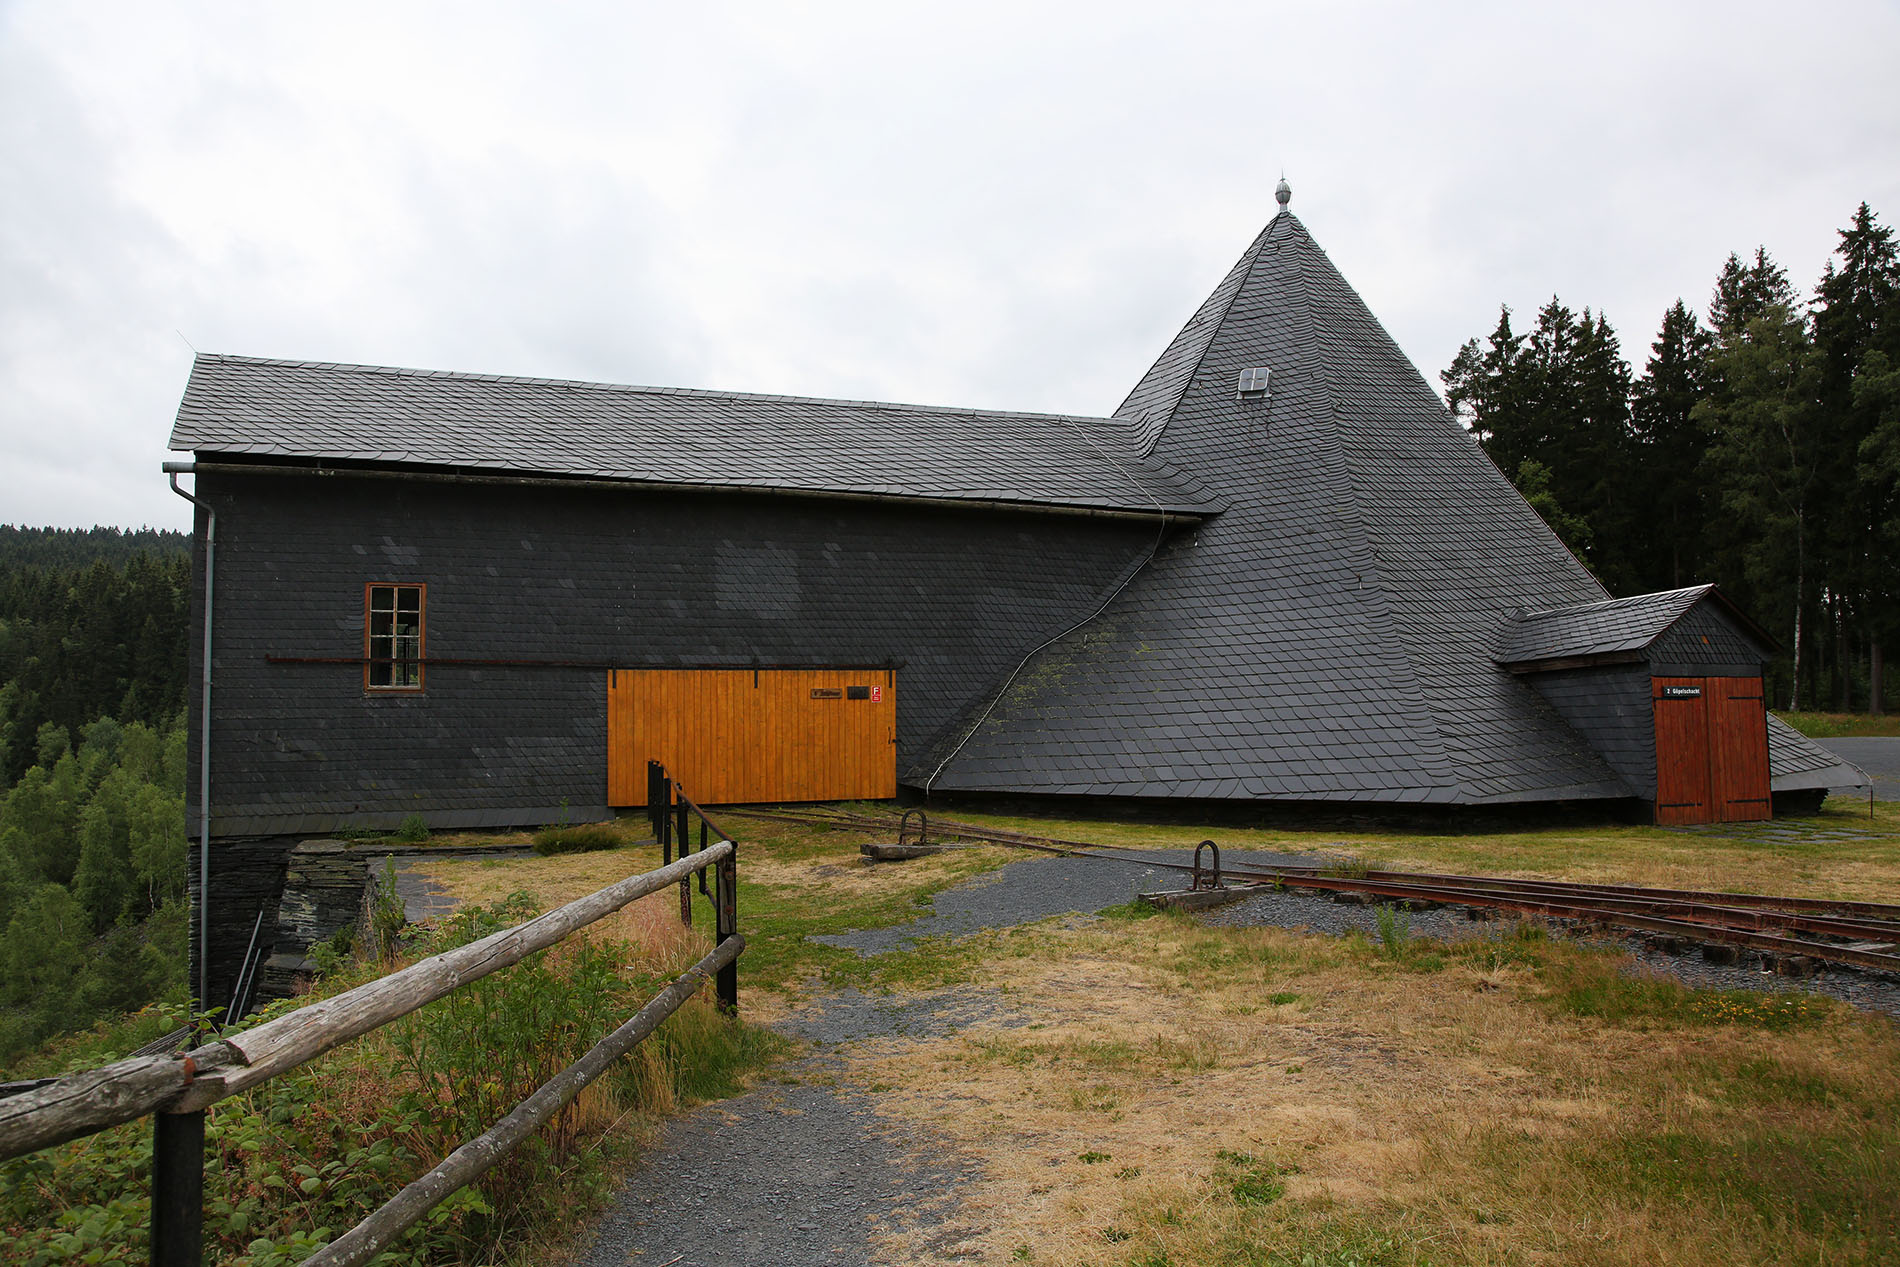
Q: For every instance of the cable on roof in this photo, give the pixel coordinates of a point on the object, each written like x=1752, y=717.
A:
x=1045, y=644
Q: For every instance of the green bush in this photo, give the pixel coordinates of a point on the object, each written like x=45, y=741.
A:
x=296, y=1161
x=577, y=839
x=413, y=830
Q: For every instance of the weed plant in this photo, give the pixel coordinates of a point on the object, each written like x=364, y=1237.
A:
x=388, y=918
x=1395, y=933
x=413, y=830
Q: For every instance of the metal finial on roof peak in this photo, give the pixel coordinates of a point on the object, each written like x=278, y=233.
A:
x=1283, y=193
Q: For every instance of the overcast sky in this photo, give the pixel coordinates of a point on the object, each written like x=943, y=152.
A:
x=1002, y=205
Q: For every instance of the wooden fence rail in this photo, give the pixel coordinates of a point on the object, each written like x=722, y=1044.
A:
x=178, y=1088
x=486, y=1151
x=83, y=1103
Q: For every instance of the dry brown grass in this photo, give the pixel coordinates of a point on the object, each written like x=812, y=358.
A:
x=1154, y=1093
x=1452, y=1115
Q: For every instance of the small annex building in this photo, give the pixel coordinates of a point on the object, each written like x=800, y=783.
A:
x=1279, y=574
x=1667, y=688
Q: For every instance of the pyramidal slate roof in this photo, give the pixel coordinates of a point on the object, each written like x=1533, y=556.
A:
x=258, y=409
x=1329, y=636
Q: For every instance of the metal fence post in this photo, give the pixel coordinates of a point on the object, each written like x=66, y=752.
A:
x=659, y=798
x=684, y=828
x=178, y=1189
x=660, y=807
x=726, y=924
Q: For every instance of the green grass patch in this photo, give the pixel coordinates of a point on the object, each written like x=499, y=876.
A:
x=780, y=921
x=1585, y=981
x=1842, y=725
x=1765, y=1082
x=578, y=838
x=1830, y=1185
x=1251, y=1180
x=1133, y=909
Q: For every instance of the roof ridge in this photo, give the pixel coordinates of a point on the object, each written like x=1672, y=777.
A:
x=1250, y=259
x=1566, y=608
x=1118, y=425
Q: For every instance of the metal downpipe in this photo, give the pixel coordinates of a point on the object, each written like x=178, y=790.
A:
x=174, y=470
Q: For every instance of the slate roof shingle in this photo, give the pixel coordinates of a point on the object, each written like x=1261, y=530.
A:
x=254, y=408
x=1606, y=627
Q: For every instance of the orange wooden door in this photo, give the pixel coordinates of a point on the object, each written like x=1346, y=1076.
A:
x=1738, y=750
x=1682, y=750
x=732, y=736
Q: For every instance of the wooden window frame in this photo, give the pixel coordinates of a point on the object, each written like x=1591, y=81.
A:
x=393, y=662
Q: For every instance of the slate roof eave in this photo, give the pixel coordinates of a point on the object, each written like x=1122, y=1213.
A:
x=394, y=468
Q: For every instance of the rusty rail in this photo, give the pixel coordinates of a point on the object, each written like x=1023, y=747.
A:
x=1745, y=919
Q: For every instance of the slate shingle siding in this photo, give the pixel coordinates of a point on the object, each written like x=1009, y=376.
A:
x=1611, y=708
x=1706, y=643
x=596, y=576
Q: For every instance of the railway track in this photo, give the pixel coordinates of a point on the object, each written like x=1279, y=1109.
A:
x=1791, y=932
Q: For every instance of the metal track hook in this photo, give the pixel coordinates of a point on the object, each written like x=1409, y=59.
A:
x=1204, y=879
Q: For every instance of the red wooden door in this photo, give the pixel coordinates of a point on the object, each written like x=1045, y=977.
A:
x=1711, y=750
x=1682, y=750
x=1738, y=750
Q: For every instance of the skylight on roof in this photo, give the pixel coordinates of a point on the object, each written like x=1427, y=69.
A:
x=1253, y=382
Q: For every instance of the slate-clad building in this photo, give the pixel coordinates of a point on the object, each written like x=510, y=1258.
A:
x=1279, y=573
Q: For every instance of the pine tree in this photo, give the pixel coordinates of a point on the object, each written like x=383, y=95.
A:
x=1761, y=415
x=1478, y=389
x=1670, y=445
x=1857, y=337
x=1745, y=293
x=1555, y=403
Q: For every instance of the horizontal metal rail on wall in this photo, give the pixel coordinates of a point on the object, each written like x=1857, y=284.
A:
x=602, y=666
x=177, y=1089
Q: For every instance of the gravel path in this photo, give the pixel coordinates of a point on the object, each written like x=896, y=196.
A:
x=799, y=1171
x=1039, y=887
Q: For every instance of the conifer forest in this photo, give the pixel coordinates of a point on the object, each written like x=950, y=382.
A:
x=92, y=738
x=1759, y=449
